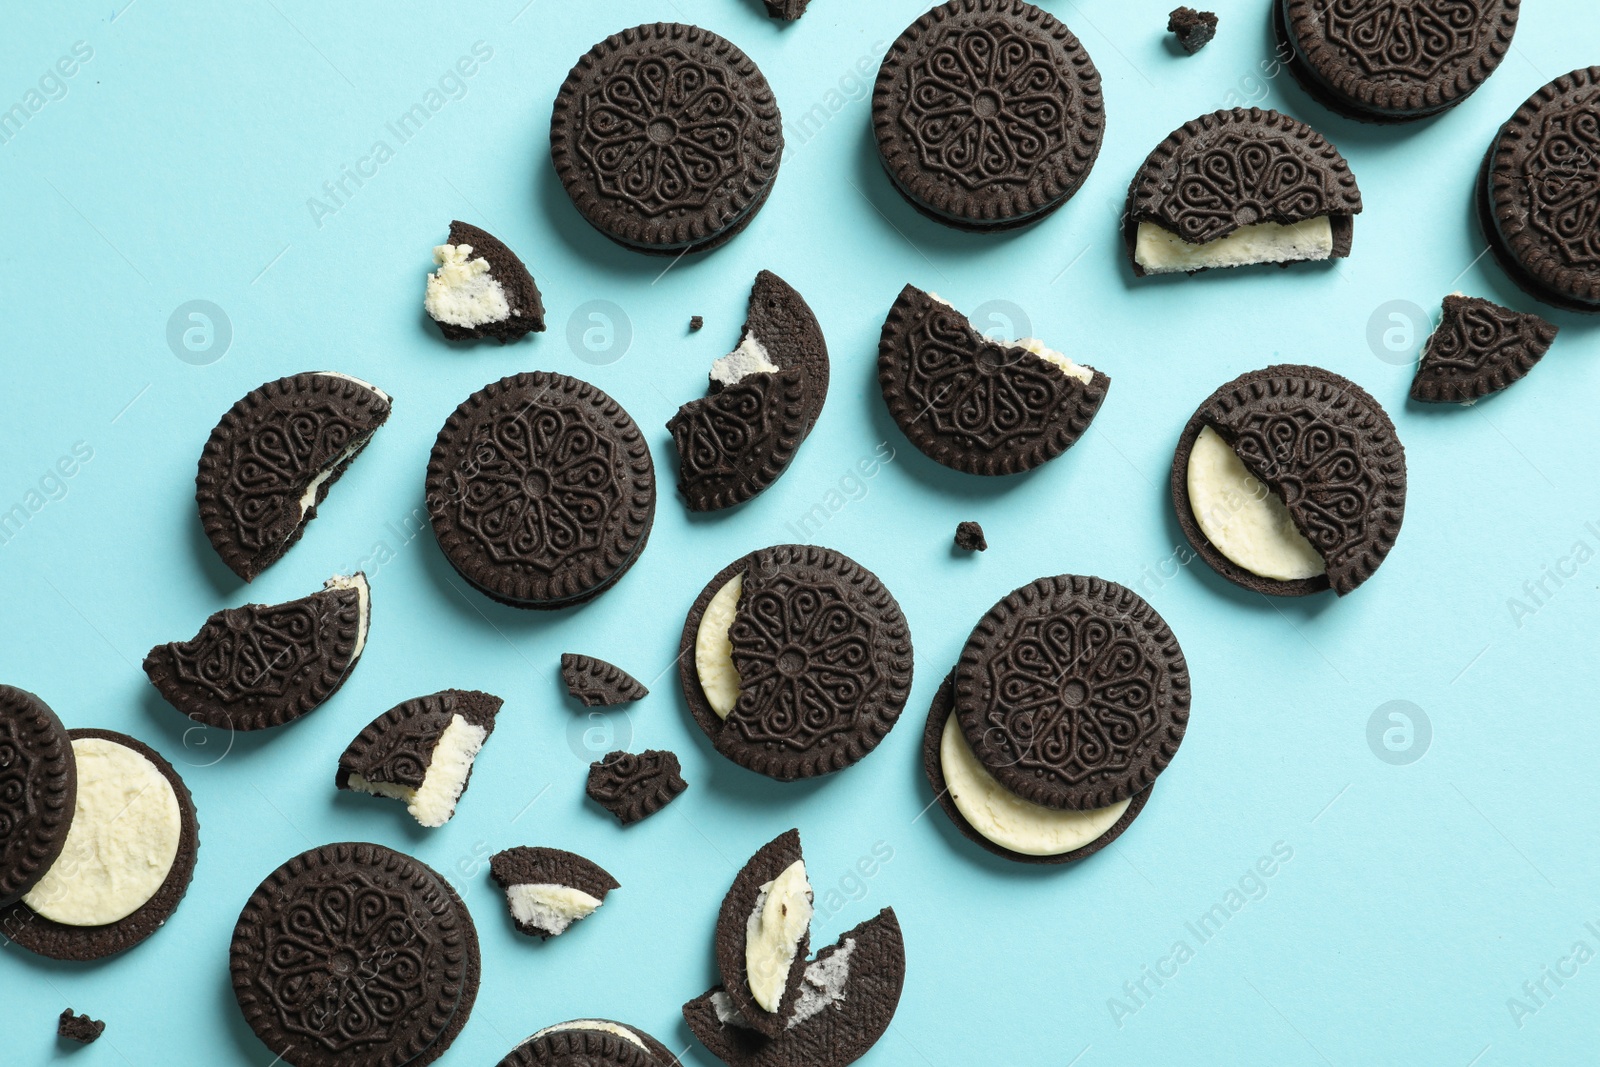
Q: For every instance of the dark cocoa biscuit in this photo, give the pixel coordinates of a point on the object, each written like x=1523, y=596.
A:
x=786, y=10
x=583, y=1044
x=1478, y=349
x=23, y=926
x=1536, y=192
x=398, y=752
x=541, y=490
x=635, y=786
x=264, y=665
x=1237, y=168
x=596, y=683
x=355, y=955
x=972, y=404
x=667, y=138
x=969, y=537
x=537, y=867
x=933, y=768
x=1327, y=449
x=987, y=114
x=79, y=1028
x=38, y=787
x=823, y=656
x=1193, y=29
x=1072, y=692
x=279, y=443
x=851, y=1004
x=747, y=894
x=524, y=311
x=1379, y=61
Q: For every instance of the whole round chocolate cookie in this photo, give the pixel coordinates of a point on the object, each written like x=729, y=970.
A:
x=1539, y=188
x=38, y=788
x=795, y=661
x=1389, y=61
x=667, y=138
x=987, y=114
x=1290, y=480
x=541, y=490
x=1072, y=692
x=354, y=955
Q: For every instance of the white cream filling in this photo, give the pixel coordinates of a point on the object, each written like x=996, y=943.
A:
x=358, y=582
x=727, y=1014
x=772, y=934
x=824, y=984
x=1160, y=251
x=122, y=842
x=593, y=1024
x=462, y=292
x=713, y=649
x=434, y=802
x=308, y=499
x=1243, y=518
x=549, y=907
x=750, y=357
x=1005, y=818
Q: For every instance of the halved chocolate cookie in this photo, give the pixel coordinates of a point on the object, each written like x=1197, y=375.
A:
x=421, y=752
x=38, y=790
x=596, y=683
x=480, y=289
x=269, y=463
x=547, y=889
x=975, y=405
x=264, y=665
x=633, y=786
x=1478, y=349
x=795, y=661
x=1236, y=188
x=764, y=933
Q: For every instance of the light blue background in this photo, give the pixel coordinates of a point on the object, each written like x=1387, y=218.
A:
x=1418, y=899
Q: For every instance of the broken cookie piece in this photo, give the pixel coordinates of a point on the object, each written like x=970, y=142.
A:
x=763, y=934
x=1478, y=349
x=635, y=786
x=547, y=889
x=786, y=10
x=421, y=752
x=969, y=537
x=1193, y=29
x=481, y=289
x=596, y=683
x=79, y=1028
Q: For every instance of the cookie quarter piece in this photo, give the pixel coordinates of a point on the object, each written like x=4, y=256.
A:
x=764, y=933
x=634, y=786
x=1237, y=188
x=264, y=665
x=269, y=463
x=38, y=791
x=667, y=138
x=1478, y=349
x=987, y=114
x=480, y=289
x=547, y=890
x=596, y=683
x=421, y=752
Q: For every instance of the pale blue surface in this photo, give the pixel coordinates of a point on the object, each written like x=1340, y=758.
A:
x=1418, y=898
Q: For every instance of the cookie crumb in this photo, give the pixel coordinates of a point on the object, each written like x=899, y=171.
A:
x=696, y=322
x=79, y=1028
x=969, y=537
x=786, y=10
x=1194, y=29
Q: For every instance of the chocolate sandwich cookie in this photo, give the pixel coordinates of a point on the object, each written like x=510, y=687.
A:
x=422, y=752
x=354, y=955
x=976, y=405
x=1072, y=693
x=795, y=661
x=127, y=861
x=541, y=490
x=584, y=1043
x=596, y=683
x=667, y=138
x=547, y=890
x=1389, y=61
x=634, y=786
x=79, y=1028
x=847, y=1000
x=786, y=10
x=270, y=462
x=764, y=399
x=1289, y=481
x=1536, y=192
x=987, y=114
x=38, y=791
x=264, y=665
x=764, y=933
x=1237, y=188
x=1478, y=349
x=996, y=819
x=480, y=289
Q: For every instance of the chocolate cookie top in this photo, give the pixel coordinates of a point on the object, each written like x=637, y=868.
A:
x=739, y=440
x=524, y=306
x=1383, y=61
x=397, y=747
x=525, y=865
x=970, y=403
x=38, y=787
x=279, y=443
x=667, y=138
x=1478, y=349
x=1072, y=692
x=541, y=490
x=1327, y=449
x=596, y=683
x=354, y=955
x=634, y=786
x=264, y=665
x=987, y=113
x=1540, y=191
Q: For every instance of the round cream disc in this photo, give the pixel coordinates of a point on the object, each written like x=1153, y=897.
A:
x=1244, y=519
x=713, y=651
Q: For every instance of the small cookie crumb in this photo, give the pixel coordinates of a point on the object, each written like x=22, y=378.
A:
x=969, y=537
x=1194, y=29
x=786, y=10
x=79, y=1028
x=696, y=322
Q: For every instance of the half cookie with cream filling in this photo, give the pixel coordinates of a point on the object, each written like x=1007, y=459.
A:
x=1238, y=188
x=978, y=405
x=480, y=289
x=590, y=1043
x=764, y=933
x=1290, y=480
x=547, y=890
x=421, y=752
x=270, y=462
x=264, y=665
